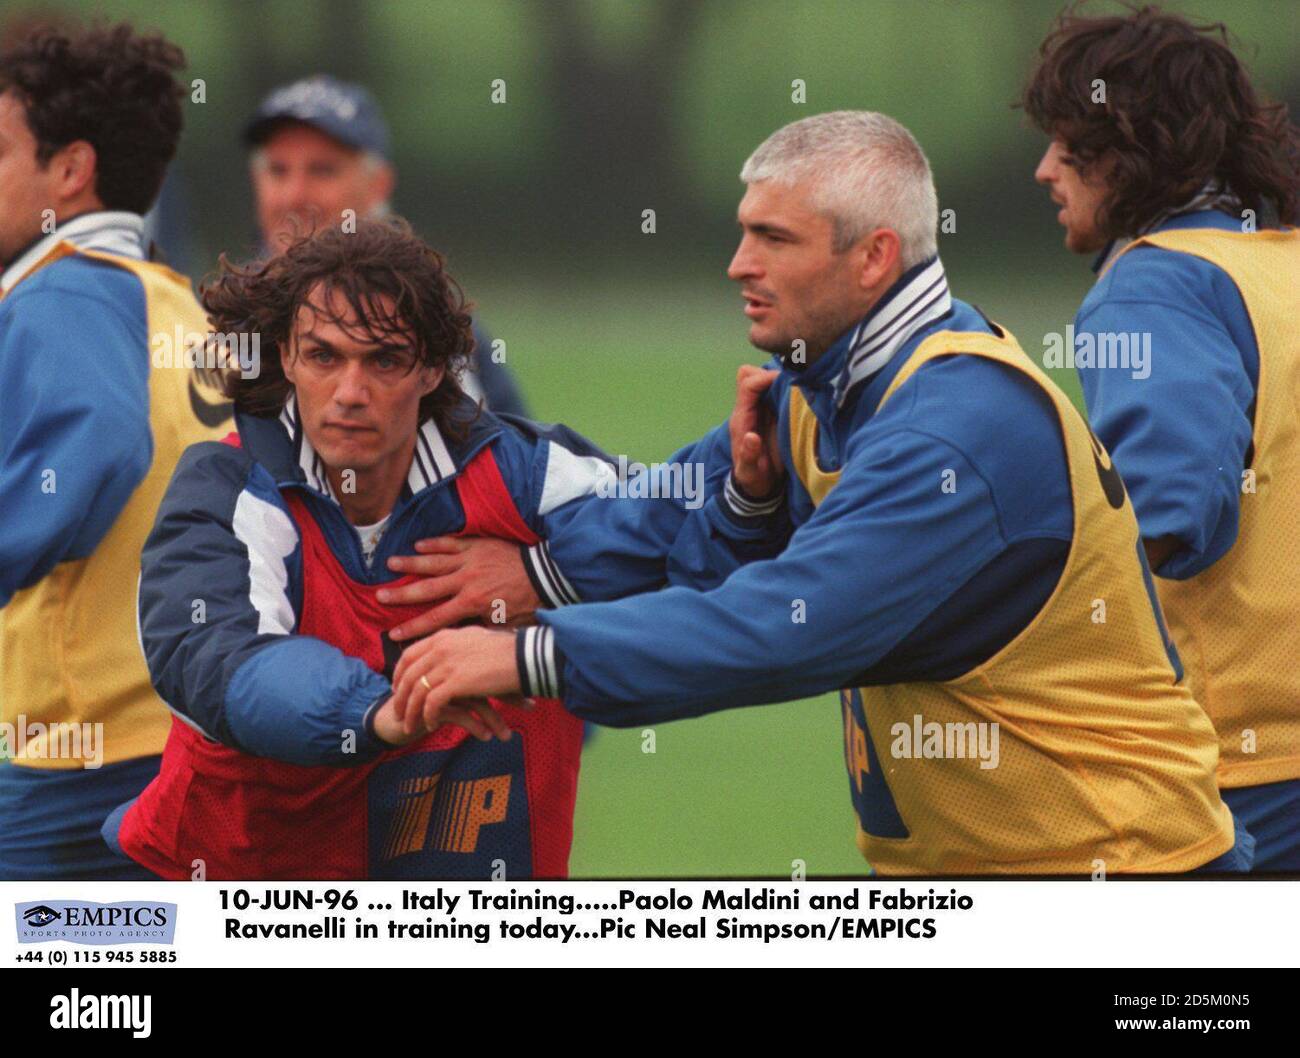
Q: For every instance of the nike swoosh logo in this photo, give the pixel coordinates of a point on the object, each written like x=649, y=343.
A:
x=1111, y=483
x=207, y=413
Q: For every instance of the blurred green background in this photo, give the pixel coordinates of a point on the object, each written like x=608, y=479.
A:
x=612, y=108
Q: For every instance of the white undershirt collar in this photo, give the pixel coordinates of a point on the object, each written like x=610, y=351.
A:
x=105, y=230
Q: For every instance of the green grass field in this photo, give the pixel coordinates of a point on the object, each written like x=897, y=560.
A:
x=642, y=370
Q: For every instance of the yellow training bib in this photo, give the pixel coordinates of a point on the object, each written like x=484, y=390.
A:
x=1237, y=624
x=1101, y=758
x=70, y=646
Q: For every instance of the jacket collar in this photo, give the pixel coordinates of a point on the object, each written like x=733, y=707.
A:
x=108, y=231
x=281, y=445
x=1210, y=198
x=918, y=297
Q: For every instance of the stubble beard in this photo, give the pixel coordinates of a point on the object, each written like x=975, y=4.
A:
x=818, y=334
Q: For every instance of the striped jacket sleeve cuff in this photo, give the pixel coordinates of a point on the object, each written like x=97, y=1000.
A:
x=540, y=662
x=550, y=584
x=373, y=741
x=742, y=506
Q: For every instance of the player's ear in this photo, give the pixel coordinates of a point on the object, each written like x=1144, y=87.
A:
x=75, y=165
x=430, y=379
x=880, y=253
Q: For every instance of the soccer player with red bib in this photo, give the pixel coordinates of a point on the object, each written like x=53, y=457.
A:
x=260, y=614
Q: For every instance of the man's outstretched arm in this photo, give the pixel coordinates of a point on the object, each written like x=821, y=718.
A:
x=606, y=541
x=884, y=550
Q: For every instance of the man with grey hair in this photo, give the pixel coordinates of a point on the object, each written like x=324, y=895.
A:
x=877, y=170
x=955, y=526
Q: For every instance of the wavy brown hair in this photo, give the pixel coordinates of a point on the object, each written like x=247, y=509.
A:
x=1179, y=113
x=381, y=258
x=108, y=85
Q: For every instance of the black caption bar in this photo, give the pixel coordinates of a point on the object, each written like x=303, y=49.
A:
x=135, y=1005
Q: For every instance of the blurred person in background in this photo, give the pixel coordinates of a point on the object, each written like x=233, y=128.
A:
x=320, y=147
x=96, y=405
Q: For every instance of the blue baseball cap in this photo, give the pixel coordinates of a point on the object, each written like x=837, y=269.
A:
x=347, y=112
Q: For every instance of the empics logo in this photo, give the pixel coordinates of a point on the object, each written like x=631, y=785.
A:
x=40, y=915
x=75, y=1011
x=85, y=922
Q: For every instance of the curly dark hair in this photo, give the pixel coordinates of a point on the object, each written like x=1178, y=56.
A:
x=381, y=258
x=109, y=86
x=1179, y=113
